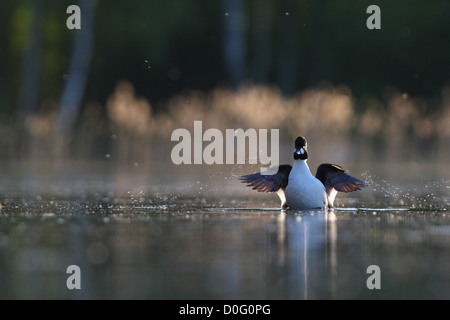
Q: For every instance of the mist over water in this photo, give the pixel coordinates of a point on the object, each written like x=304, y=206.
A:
x=109, y=199
x=139, y=233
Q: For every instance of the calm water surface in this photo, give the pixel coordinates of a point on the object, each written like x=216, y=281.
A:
x=147, y=244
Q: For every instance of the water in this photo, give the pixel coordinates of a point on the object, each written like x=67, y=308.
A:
x=152, y=243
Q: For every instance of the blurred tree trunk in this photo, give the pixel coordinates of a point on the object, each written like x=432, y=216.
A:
x=31, y=69
x=287, y=71
x=261, y=55
x=29, y=91
x=73, y=92
x=234, y=42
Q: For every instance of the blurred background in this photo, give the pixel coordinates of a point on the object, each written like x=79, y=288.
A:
x=116, y=89
x=86, y=176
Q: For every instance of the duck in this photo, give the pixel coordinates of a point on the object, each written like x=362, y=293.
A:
x=297, y=188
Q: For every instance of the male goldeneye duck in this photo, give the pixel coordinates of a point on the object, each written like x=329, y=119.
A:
x=298, y=189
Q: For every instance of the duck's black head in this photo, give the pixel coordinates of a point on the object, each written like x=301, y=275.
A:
x=300, y=151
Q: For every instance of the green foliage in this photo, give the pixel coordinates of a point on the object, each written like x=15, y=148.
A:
x=309, y=43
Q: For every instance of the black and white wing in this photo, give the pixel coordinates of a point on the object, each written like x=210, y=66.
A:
x=269, y=182
x=335, y=179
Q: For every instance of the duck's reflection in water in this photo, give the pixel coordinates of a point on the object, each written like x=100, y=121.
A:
x=308, y=249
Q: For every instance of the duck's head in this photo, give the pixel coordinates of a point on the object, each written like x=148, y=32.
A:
x=300, y=151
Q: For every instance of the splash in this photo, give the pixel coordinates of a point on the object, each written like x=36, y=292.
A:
x=428, y=195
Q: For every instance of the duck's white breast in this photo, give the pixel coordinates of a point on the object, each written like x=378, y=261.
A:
x=304, y=191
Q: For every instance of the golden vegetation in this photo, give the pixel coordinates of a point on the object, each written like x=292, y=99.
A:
x=400, y=129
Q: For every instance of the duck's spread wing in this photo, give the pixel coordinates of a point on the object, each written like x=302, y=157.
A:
x=268, y=182
x=334, y=177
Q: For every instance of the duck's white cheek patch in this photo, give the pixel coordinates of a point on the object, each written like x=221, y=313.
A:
x=302, y=151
